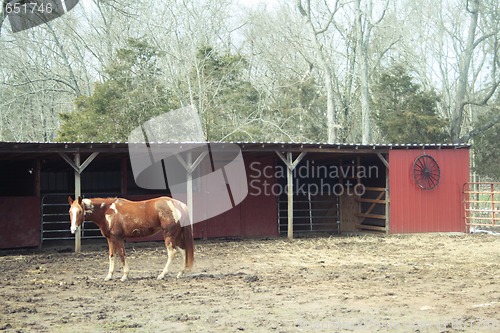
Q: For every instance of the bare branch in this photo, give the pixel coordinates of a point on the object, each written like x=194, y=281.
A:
x=301, y=9
x=485, y=99
x=486, y=126
x=483, y=38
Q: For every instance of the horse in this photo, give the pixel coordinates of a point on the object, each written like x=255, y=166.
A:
x=118, y=218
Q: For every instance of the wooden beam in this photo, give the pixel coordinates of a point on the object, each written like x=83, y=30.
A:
x=375, y=189
x=70, y=161
x=87, y=162
x=290, y=163
x=188, y=164
x=377, y=201
x=371, y=216
x=79, y=167
x=382, y=158
x=369, y=210
x=370, y=227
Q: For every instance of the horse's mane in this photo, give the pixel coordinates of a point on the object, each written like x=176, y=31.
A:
x=102, y=200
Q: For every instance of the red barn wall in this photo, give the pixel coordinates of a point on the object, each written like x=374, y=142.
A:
x=256, y=215
x=19, y=222
x=413, y=209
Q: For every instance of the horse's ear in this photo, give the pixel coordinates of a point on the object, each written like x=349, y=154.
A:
x=70, y=200
x=80, y=200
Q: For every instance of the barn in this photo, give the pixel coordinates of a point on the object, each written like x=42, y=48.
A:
x=293, y=189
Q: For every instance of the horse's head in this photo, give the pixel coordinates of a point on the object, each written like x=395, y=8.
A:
x=76, y=213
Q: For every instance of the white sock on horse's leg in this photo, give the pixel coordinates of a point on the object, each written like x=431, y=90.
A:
x=183, y=254
x=170, y=253
x=125, y=270
x=111, y=268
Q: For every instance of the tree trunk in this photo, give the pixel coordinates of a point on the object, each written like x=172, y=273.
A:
x=362, y=55
x=330, y=108
x=327, y=71
x=464, y=65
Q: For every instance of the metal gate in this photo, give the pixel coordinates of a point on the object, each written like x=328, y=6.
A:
x=481, y=204
x=55, y=218
x=311, y=214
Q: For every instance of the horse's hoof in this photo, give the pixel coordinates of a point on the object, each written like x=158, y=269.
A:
x=124, y=278
x=160, y=277
x=179, y=274
x=107, y=278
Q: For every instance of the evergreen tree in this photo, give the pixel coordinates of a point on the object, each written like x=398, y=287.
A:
x=133, y=93
x=298, y=108
x=225, y=99
x=404, y=112
x=487, y=150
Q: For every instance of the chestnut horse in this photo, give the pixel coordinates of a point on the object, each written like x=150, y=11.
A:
x=118, y=218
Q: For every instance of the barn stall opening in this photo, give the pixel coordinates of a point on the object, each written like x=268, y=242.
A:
x=293, y=189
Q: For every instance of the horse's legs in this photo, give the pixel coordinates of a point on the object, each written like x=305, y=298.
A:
x=170, y=253
x=120, y=246
x=111, y=261
x=183, y=254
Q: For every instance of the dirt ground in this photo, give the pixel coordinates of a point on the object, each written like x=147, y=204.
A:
x=413, y=283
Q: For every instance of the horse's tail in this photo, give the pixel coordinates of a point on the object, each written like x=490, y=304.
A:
x=187, y=234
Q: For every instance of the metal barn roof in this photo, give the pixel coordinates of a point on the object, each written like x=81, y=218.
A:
x=117, y=147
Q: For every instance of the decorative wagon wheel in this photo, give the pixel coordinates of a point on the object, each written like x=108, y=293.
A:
x=426, y=172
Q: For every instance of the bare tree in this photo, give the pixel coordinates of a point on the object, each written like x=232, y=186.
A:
x=455, y=47
x=314, y=32
x=364, y=27
x=40, y=80
x=465, y=94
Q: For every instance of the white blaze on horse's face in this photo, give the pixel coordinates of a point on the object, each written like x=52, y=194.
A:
x=75, y=215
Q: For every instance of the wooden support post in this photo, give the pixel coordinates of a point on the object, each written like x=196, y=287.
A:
x=78, y=192
x=289, y=178
x=387, y=194
x=37, y=172
x=190, y=166
x=291, y=164
x=358, y=165
x=124, y=177
x=78, y=167
x=189, y=184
